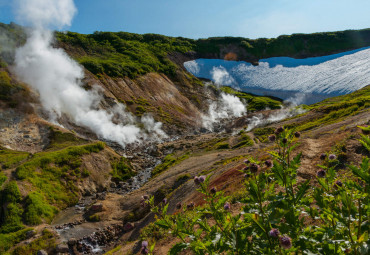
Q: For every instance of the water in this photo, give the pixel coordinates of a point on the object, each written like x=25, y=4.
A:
x=314, y=79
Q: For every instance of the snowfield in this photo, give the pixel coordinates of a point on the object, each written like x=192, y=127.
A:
x=314, y=79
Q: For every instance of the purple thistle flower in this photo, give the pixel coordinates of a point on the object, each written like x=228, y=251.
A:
x=247, y=176
x=269, y=163
x=279, y=130
x=246, y=168
x=297, y=134
x=196, y=180
x=247, y=161
x=321, y=173
x=202, y=178
x=338, y=183
x=145, y=197
x=144, y=244
x=332, y=157
x=254, y=168
x=274, y=233
x=164, y=201
x=178, y=206
x=286, y=242
x=284, y=140
x=213, y=190
x=272, y=138
x=227, y=206
x=323, y=156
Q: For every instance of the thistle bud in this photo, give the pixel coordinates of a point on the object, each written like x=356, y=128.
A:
x=213, y=190
x=297, y=134
x=272, y=138
x=321, y=173
x=323, y=156
x=269, y=163
x=254, y=168
x=332, y=157
x=227, y=206
x=286, y=242
x=274, y=233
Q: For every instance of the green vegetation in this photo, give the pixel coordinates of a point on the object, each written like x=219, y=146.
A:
x=244, y=141
x=7, y=86
x=60, y=140
x=10, y=158
x=122, y=170
x=255, y=103
x=45, y=242
x=124, y=54
x=336, y=109
x=263, y=133
x=37, y=209
x=113, y=250
x=278, y=214
x=2, y=179
x=94, y=218
x=169, y=161
x=7, y=241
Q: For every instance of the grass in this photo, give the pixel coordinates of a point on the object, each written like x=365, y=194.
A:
x=169, y=161
x=45, y=242
x=7, y=241
x=113, y=250
x=122, y=170
x=10, y=158
x=37, y=209
x=244, y=141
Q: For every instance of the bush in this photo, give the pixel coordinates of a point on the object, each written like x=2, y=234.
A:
x=11, y=193
x=122, y=170
x=37, y=209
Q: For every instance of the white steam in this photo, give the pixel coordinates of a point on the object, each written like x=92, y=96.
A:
x=57, y=78
x=221, y=76
x=228, y=106
x=286, y=112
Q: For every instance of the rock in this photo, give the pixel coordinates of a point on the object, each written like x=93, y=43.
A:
x=30, y=234
x=42, y=252
x=72, y=242
x=98, y=207
x=128, y=227
x=62, y=248
x=113, y=185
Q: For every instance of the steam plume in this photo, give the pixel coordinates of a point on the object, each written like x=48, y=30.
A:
x=57, y=78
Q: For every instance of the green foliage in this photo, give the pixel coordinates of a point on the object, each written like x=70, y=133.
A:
x=12, y=219
x=262, y=133
x=52, y=173
x=7, y=86
x=9, y=158
x=122, y=170
x=169, y=161
x=113, y=250
x=94, y=218
x=276, y=209
x=11, y=193
x=60, y=140
x=2, y=178
x=7, y=241
x=244, y=141
x=45, y=242
x=37, y=209
x=222, y=146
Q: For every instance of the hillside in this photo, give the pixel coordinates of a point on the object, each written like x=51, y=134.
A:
x=63, y=190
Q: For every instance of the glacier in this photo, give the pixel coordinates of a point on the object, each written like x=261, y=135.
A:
x=313, y=79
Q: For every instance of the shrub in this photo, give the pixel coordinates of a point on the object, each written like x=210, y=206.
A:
x=37, y=209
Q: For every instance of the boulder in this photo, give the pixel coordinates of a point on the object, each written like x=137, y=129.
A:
x=42, y=252
x=62, y=248
x=97, y=207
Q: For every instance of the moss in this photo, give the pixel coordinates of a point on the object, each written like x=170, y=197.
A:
x=10, y=158
x=37, y=209
x=94, y=218
x=11, y=193
x=244, y=141
x=122, y=170
x=140, y=110
x=59, y=140
x=11, y=218
x=263, y=133
x=222, y=146
x=45, y=242
x=7, y=241
x=2, y=179
x=169, y=161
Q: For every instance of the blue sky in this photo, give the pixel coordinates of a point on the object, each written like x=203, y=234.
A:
x=205, y=18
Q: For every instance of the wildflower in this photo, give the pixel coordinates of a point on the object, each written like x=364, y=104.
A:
x=202, y=178
x=246, y=168
x=321, y=173
x=274, y=232
x=164, y=201
x=213, y=190
x=178, y=206
x=247, y=161
x=279, y=130
x=254, y=168
x=286, y=242
x=272, y=138
x=246, y=176
x=196, y=180
x=227, y=206
x=284, y=140
x=332, y=157
x=323, y=156
x=338, y=183
x=297, y=134
x=145, y=197
x=144, y=244
x=269, y=163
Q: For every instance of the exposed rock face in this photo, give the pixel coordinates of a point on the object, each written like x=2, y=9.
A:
x=98, y=207
x=42, y=252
